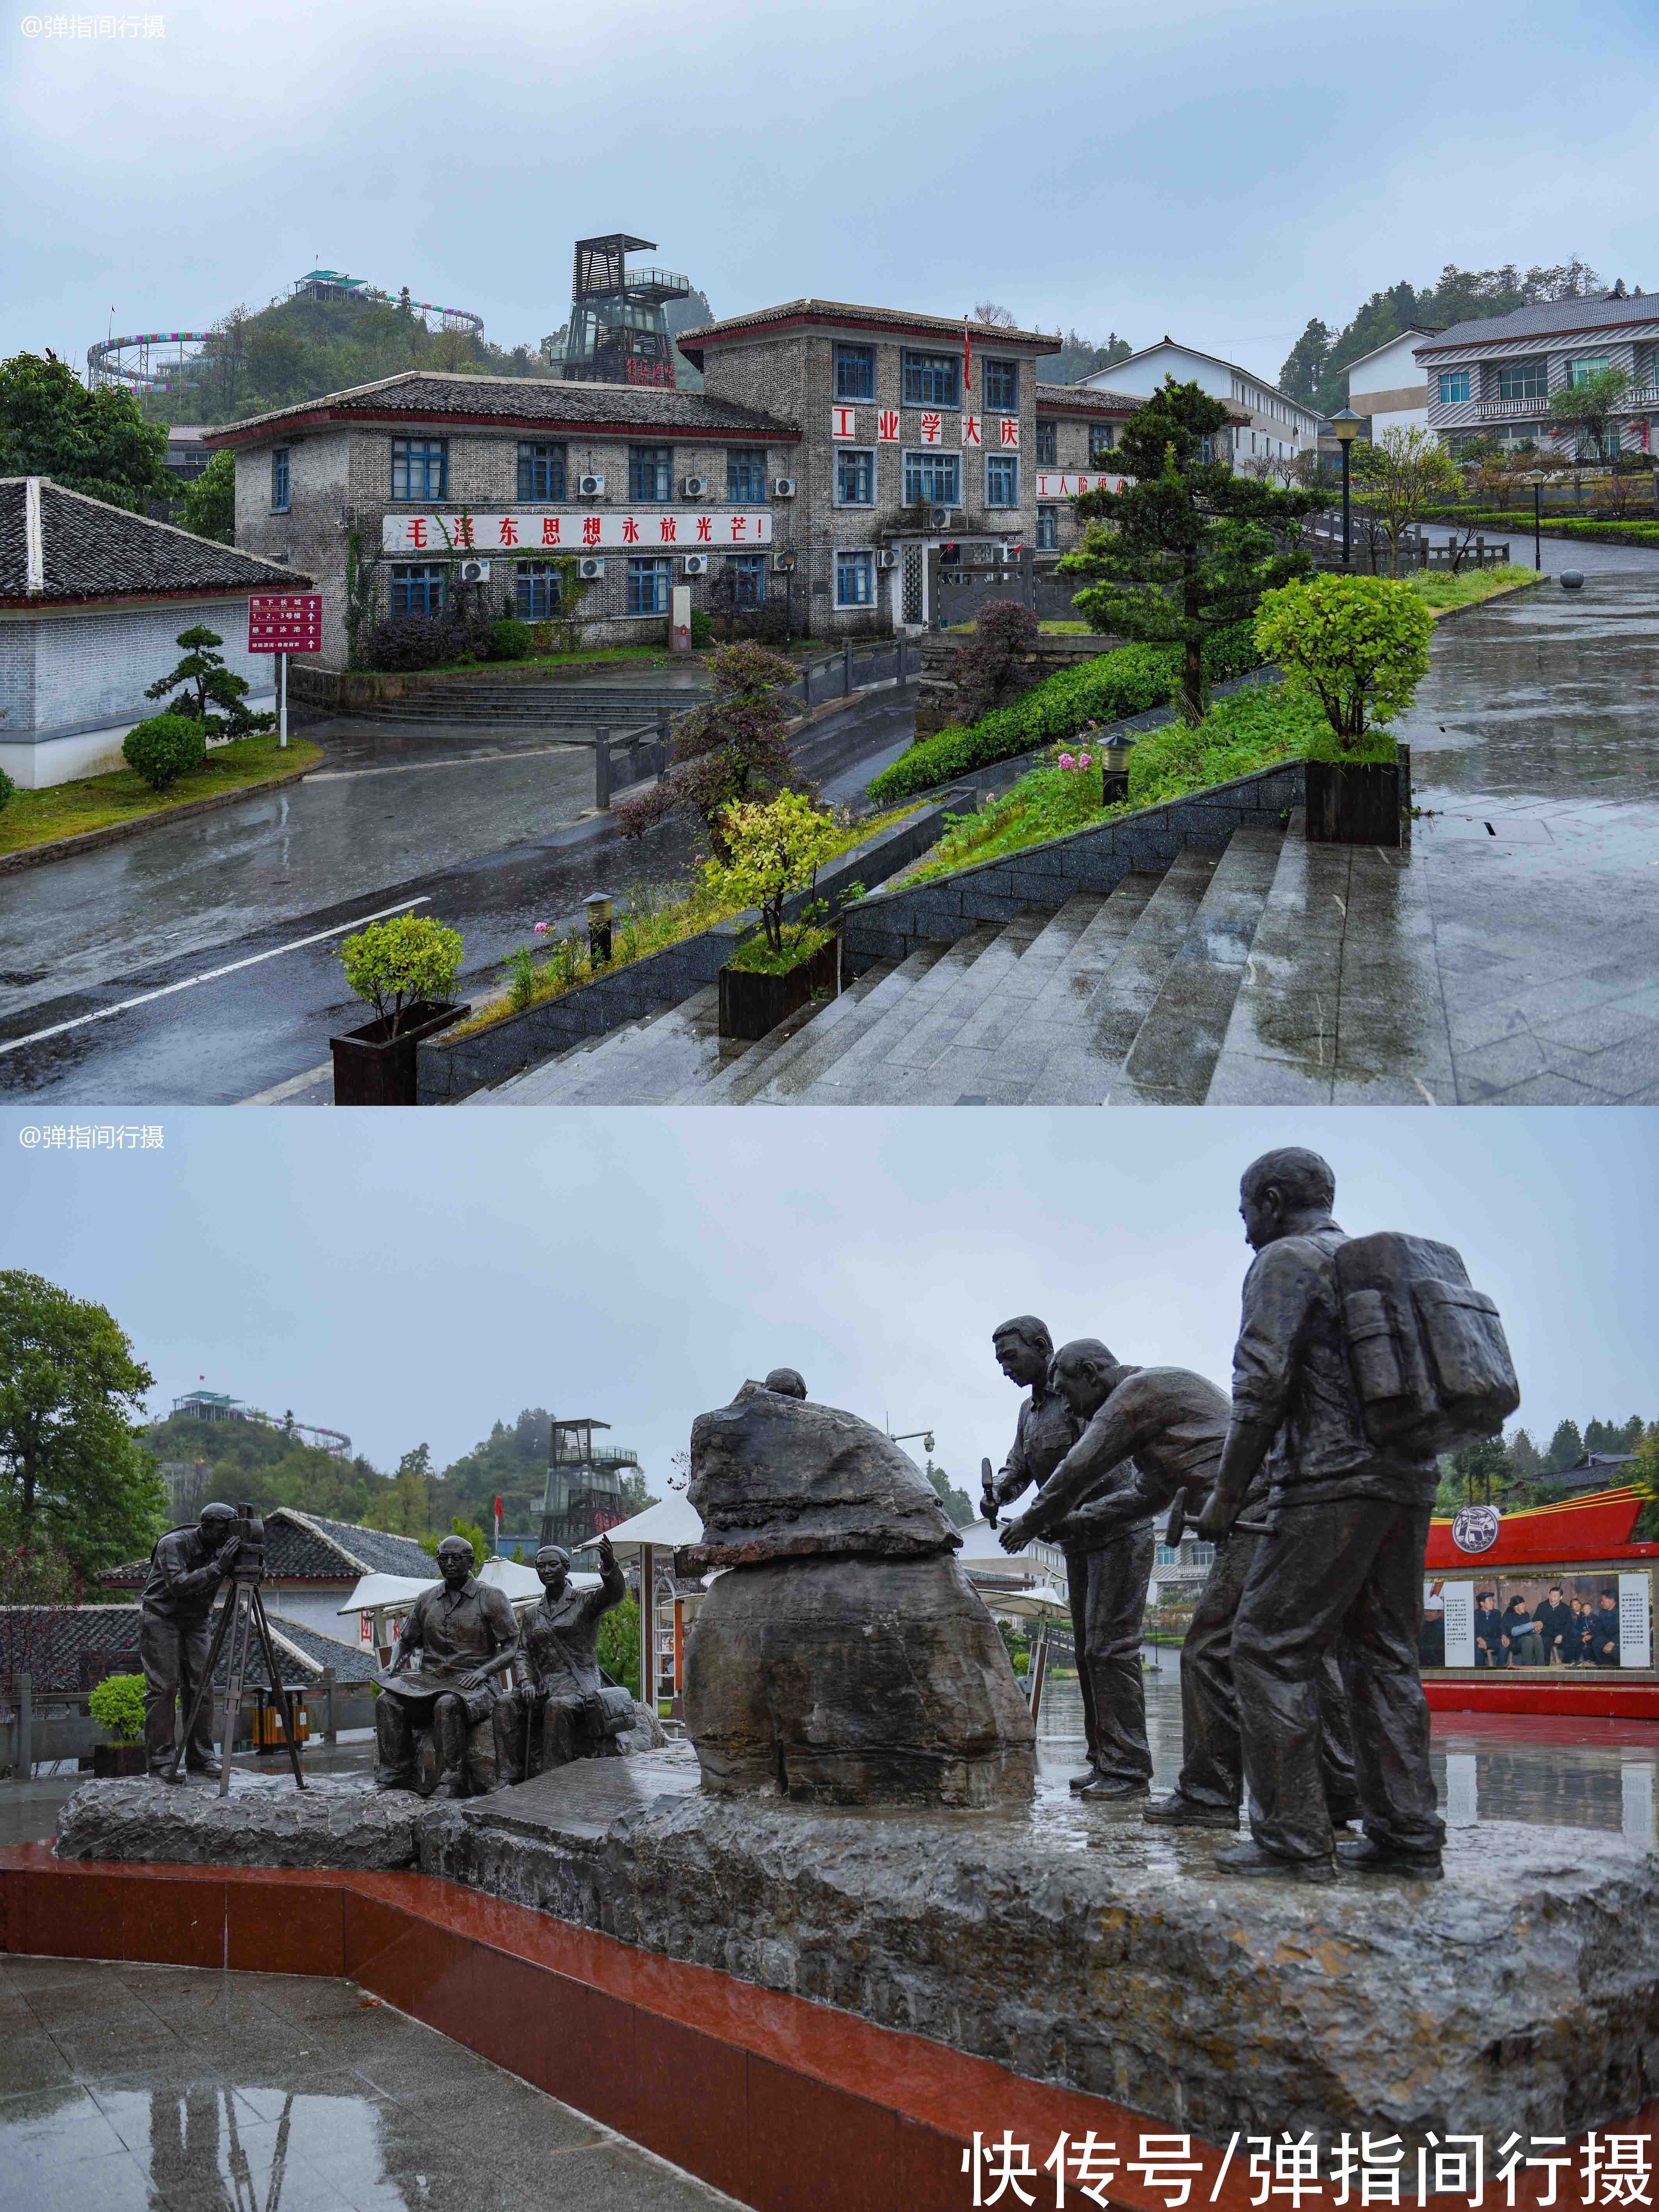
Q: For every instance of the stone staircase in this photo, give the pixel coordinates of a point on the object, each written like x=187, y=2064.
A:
x=533, y=705
x=1272, y=972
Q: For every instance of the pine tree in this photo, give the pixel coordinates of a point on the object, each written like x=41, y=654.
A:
x=1566, y=1449
x=1526, y=1461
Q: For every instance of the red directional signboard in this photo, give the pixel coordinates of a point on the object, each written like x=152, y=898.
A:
x=285, y=622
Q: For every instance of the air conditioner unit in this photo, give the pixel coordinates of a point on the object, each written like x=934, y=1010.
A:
x=944, y=516
x=696, y=487
x=590, y=568
x=783, y=486
x=783, y=563
x=591, y=487
x=696, y=564
x=889, y=560
x=475, y=572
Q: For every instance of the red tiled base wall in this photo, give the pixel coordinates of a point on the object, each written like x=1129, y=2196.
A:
x=1610, y=1700
x=764, y=2095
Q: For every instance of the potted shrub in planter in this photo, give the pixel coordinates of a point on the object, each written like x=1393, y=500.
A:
x=1360, y=646
x=116, y=1704
x=404, y=968
x=776, y=849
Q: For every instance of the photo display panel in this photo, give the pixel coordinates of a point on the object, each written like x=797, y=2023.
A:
x=1544, y=1616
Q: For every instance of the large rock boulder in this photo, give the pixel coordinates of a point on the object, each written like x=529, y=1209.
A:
x=842, y=1657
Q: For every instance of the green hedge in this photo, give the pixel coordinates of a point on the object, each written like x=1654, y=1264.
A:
x=1518, y=524
x=1127, y=682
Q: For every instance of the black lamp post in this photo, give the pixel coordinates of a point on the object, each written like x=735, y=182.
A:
x=1346, y=426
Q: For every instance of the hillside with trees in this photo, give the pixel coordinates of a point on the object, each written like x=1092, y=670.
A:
x=1521, y=1472
x=1315, y=370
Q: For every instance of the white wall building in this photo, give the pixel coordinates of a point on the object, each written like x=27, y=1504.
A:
x=1271, y=426
x=1388, y=384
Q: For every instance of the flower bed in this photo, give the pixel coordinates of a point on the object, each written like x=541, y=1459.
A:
x=1129, y=681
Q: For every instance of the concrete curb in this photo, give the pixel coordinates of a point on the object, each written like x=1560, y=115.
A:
x=113, y=832
x=451, y=1069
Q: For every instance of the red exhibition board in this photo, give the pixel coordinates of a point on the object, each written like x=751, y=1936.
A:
x=285, y=622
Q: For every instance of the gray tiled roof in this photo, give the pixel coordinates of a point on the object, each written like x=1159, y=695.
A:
x=379, y=1550
x=96, y=551
x=307, y=1547
x=1086, y=399
x=984, y=335
x=418, y=394
x=1548, y=318
x=65, y=1647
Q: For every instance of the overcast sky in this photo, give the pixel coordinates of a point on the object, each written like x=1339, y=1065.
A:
x=1220, y=169
x=410, y=1278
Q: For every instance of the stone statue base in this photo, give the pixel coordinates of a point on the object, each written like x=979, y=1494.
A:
x=1070, y=1944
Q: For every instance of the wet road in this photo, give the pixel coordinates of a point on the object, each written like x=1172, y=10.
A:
x=491, y=839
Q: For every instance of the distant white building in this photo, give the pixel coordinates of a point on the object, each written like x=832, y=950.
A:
x=1267, y=424
x=1388, y=384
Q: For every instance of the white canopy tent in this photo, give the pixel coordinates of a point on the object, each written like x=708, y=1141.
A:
x=665, y=1526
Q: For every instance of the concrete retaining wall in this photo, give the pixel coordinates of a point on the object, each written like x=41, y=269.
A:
x=450, y=1068
x=893, y=926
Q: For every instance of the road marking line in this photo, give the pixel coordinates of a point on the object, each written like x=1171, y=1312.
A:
x=416, y=768
x=278, y=1091
x=211, y=976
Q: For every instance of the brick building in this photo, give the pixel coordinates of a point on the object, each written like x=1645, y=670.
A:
x=831, y=448
x=91, y=598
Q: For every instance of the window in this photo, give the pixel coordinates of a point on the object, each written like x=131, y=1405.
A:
x=1206, y=449
x=1048, y=537
x=418, y=589
x=648, y=586
x=1523, y=379
x=420, y=468
x=1454, y=386
x=1047, y=444
x=932, y=475
x=541, y=472
x=650, y=477
x=748, y=574
x=1580, y=371
x=1002, y=385
x=1101, y=438
x=536, y=591
x=855, y=476
x=1002, y=480
x=279, y=480
x=855, y=580
x=1166, y=1555
x=930, y=379
x=745, y=474
x=855, y=372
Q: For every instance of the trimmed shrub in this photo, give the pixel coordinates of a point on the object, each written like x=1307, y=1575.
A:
x=116, y=1703
x=510, y=639
x=703, y=629
x=165, y=748
x=1127, y=682
x=413, y=641
x=402, y=962
x=7, y=787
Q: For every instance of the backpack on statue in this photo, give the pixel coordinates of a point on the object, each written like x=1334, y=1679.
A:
x=1427, y=1350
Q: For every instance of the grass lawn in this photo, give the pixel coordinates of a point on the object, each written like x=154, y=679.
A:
x=647, y=656
x=1439, y=593
x=64, y=810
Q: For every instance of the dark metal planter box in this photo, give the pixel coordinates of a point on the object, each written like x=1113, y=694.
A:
x=372, y=1069
x=1362, y=804
x=753, y=1003
x=109, y=1759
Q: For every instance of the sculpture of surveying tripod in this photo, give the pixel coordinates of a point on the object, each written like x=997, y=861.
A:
x=242, y=1612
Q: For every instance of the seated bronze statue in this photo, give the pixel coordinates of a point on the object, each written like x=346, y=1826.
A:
x=434, y=1719
x=564, y=1710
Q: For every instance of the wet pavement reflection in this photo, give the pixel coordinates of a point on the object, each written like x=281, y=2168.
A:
x=143, y=2086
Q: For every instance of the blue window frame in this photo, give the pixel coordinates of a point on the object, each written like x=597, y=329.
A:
x=418, y=588
x=1103, y=436
x=855, y=475
x=1048, y=537
x=650, y=477
x=930, y=379
x=855, y=372
x=648, y=586
x=1047, y=444
x=541, y=471
x=932, y=475
x=1002, y=480
x=745, y=474
x=279, y=480
x=748, y=574
x=1523, y=379
x=536, y=592
x=855, y=580
x=1002, y=385
x=1454, y=386
x=420, y=468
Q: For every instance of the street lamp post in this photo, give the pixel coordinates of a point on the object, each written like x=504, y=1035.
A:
x=1345, y=426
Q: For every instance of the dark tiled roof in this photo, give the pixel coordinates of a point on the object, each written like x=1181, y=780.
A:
x=71, y=1648
x=1549, y=318
x=306, y=1548
x=987, y=335
x=92, y=550
x=1595, y=1471
x=381, y=1551
x=512, y=400
x=1084, y=399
